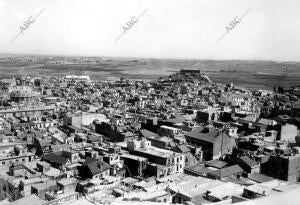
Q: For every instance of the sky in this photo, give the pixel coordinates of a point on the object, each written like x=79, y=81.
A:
x=184, y=29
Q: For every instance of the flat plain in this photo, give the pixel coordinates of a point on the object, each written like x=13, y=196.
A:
x=249, y=74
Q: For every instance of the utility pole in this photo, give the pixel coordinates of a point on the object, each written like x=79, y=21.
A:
x=222, y=141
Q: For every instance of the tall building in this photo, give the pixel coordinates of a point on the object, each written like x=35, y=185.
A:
x=283, y=167
x=161, y=162
x=213, y=142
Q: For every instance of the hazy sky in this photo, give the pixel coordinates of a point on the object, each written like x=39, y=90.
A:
x=168, y=29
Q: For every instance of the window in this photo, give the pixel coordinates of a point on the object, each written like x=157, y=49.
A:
x=3, y=163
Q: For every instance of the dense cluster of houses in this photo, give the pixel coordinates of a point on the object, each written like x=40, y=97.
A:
x=179, y=139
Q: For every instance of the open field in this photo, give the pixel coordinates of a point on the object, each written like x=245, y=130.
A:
x=237, y=72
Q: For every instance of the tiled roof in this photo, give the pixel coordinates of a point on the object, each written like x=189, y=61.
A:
x=147, y=133
x=227, y=171
x=89, y=160
x=216, y=163
x=183, y=148
x=199, y=169
x=248, y=161
x=53, y=158
x=260, y=178
x=98, y=167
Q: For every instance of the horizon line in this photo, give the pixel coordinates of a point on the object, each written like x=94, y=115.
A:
x=151, y=58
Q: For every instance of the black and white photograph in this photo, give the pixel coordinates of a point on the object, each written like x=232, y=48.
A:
x=149, y=102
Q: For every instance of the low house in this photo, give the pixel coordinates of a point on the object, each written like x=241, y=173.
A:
x=192, y=190
x=56, y=160
x=259, y=178
x=224, y=192
x=67, y=185
x=234, y=170
x=31, y=199
x=197, y=170
x=214, y=142
x=93, y=168
x=248, y=165
x=135, y=165
x=153, y=196
x=218, y=164
x=41, y=188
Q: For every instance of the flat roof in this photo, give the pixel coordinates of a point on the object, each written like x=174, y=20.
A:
x=194, y=187
x=80, y=201
x=28, y=110
x=45, y=185
x=168, y=127
x=67, y=181
x=227, y=189
x=31, y=199
x=159, y=152
x=134, y=157
x=146, y=195
x=286, y=198
x=176, y=177
x=130, y=180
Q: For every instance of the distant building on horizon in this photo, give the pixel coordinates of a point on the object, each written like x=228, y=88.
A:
x=78, y=78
